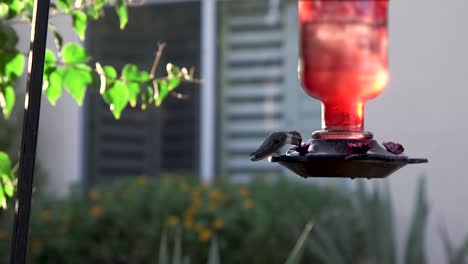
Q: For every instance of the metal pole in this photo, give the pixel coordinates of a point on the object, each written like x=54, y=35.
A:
x=29, y=133
x=208, y=92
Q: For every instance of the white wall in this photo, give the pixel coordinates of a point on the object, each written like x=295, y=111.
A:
x=425, y=108
x=60, y=132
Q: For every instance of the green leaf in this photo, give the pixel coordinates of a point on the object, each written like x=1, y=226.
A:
x=49, y=59
x=3, y=203
x=65, y=5
x=74, y=53
x=8, y=37
x=7, y=100
x=122, y=12
x=162, y=87
x=177, y=253
x=53, y=85
x=295, y=255
x=14, y=65
x=163, y=250
x=14, y=8
x=144, y=76
x=79, y=21
x=94, y=11
x=133, y=92
x=110, y=72
x=414, y=248
x=117, y=97
x=5, y=163
x=147, y=97
x=99, y=4
x=150, y=92
x=4, y=9
x=131, y=73
x=75, y=80
x=8, y=186
x=173, y=83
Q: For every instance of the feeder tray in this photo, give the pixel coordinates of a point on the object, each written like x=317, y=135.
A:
x=335, y=159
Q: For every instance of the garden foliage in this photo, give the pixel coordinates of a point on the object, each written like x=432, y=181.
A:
x=136, y=221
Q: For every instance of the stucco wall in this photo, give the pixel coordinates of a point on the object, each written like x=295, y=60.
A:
x=425, y=108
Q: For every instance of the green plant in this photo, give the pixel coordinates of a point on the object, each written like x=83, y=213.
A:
x=373, y=215
x=454, y=255
x=214, y=255
x=129, y=221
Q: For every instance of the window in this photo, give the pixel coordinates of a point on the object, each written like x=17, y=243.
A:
x=259, y=90
x=156, y=140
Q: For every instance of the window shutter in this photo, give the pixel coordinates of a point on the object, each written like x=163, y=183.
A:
x=260, y=92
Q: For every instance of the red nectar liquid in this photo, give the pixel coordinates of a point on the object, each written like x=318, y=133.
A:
x=343, y=61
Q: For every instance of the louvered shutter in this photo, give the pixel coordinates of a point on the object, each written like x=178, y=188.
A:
x=155, y=140
x=260, y=92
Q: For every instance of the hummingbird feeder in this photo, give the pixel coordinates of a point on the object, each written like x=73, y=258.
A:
x=343, y=63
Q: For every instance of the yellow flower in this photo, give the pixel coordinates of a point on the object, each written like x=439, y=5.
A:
x=205, y=234
x=3, y=234
x=216, y=195
x=94, y=194
x=211, y=207
x=243, y=191
x=97, y=211
x=196, y=202
x=142, y=180
x=172, y=220
x=188, y=223
x=45, y=215
x=218, y=223
x=189, y=212
x=36, y=245
x=248, y=203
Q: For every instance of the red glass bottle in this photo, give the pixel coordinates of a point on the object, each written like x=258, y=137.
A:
x=343, y=60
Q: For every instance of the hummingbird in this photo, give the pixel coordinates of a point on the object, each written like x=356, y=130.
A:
x=275, y=142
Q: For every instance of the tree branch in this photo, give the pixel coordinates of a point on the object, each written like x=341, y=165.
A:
x=157, y=58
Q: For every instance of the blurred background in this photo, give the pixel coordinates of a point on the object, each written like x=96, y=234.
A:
x=246, y=52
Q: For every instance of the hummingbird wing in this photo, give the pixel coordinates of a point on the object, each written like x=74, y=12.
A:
x=271, y=145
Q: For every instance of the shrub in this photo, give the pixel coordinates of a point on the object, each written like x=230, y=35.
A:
x=123, y=223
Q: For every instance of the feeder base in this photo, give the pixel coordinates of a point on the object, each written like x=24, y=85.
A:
x=335, y=159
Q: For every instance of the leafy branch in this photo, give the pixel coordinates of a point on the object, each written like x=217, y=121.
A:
x=69, y=69
x=132, y=87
